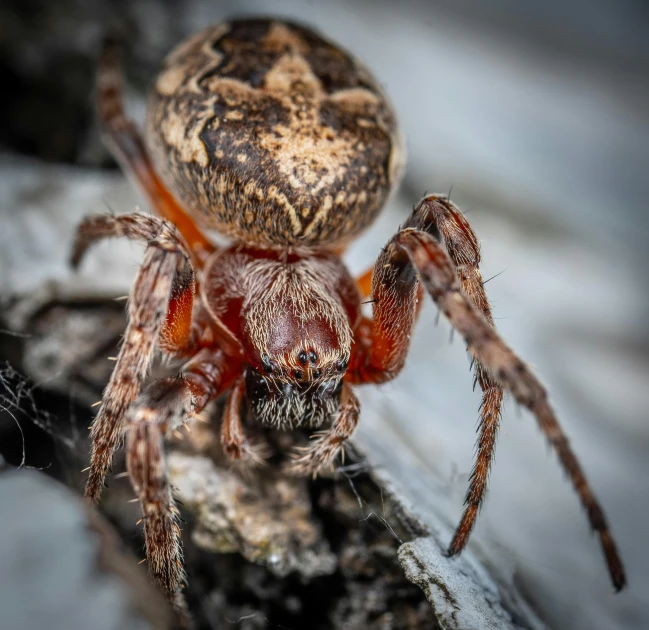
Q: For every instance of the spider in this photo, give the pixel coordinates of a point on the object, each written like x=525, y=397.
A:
x=279, y=140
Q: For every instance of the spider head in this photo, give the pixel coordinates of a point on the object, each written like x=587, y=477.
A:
x=296, y=376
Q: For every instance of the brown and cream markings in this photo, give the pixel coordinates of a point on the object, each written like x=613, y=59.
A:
x=281, y=141
x=270, y=134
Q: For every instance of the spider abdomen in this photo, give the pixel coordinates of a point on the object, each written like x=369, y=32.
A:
x=272, y=135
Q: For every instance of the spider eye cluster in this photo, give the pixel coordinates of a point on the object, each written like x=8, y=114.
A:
x=308, y=367
x=305, y=357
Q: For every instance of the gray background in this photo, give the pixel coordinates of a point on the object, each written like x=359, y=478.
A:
x=538, y=115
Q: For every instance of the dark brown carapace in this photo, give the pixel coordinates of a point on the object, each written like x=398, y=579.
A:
x=284, y=143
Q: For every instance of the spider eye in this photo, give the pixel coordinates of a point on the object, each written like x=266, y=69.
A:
x=313, y=357
x=341, y=366
x=317, y=373
x=266, y=363
x=302, y=357
x=298, y=375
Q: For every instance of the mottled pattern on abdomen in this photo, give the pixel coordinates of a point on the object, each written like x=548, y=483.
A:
x=272, y=135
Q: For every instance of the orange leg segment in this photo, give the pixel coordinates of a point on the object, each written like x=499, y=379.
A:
x=128, y=149
x=364, y=283
x=438, y=248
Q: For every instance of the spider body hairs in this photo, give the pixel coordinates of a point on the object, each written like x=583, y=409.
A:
x=283, y=142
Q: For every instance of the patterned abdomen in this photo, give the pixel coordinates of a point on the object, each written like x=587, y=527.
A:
x=273, y=136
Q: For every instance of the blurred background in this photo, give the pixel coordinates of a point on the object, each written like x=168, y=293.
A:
x=536, y=115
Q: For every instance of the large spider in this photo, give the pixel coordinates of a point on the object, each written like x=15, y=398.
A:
x=282, y=142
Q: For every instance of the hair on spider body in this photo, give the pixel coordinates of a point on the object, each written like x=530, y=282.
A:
x=287, y=405
x=283, y=142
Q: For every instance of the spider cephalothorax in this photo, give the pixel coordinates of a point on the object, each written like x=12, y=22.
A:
x=292, y=317
x=283, y=142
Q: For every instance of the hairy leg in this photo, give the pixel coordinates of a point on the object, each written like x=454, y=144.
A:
x=236, y=445
x=383, y=342
x=437, y=273
x=161, y=300
x=128, y=149
x=162, y=408
x=438, y=216
x=321, y=454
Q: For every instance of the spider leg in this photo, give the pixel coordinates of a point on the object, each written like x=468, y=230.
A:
x=437, y=272
x=383, y=341
x=321, y=454
x=160, y=307
x=364, y=283
x=439, y=217
x=126, y=145
x=163, y=407
x=236, y=445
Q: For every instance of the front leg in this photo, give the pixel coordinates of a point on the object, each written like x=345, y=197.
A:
x=160, y=410
x=437, y=273
x=160, y=313
x=443, y=220
x=439, y=244
x=321, y=454
x=382, y=343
